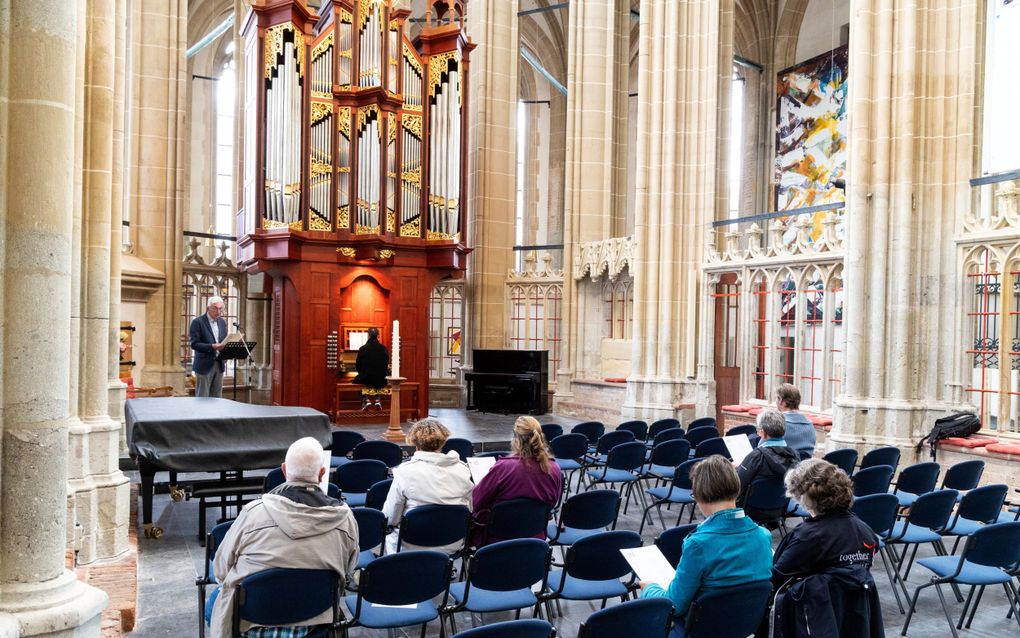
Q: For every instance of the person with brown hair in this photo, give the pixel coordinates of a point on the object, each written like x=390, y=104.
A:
x=429, y=477
x=800, y=432
x=726, y=549
x=529, y=472
x=832, y=536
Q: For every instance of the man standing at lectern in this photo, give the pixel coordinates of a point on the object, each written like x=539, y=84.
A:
x=207, y=333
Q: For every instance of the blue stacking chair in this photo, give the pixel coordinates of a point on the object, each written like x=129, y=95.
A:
x=988, y=554
x=594, y=567
x=748, y=429
x=283, y=596
x=731, y=612
x=433, y=526
x=568, y=451
x=464, y=448
x=702, y=422
x=585, y=514
x=607, y=442
x=979, y=507
x=592, y=430
x=355, y=478
x=927, y=519
x=212, y=543
x=671, y=542
x=385, y=451
x=662, y=425
x=768, y=494
x=670, y=434
x=665, y=457
x=274, y=479
x=516, y=518
x=551, y=430
x=878, y=511
x=638, y=428
x=376, y=496
x=344, y=441
x=696, y=435
x=390, y=584
x=872, y=480
x=500, y=577
x=371, y=533
x=915, y=480
x=881, y=456
x=677, y=492
x=963, y=476
x=532, y=628
x=623, y=466
x=708, y=447
x=645, y=617
x=845, y=459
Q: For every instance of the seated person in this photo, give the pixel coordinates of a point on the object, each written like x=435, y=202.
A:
x=295, y=526
x=372, y=365
x=726, y=549
x=773, y=458
x=800, y=432
x=832, y=536
x=529, y=472
x=429, y=477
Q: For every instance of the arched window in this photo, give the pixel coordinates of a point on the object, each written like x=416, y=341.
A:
x=224, y=160
x=446, y=321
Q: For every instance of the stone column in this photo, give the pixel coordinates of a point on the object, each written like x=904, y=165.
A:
x=98, y=488
x=37, y=43
x=117, y=390
x=492, y=26
x=678, y=124
x=595, y=187
x=912, y=125
x=157, y=184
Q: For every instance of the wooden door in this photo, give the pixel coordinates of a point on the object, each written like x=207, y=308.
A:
x=727, y=368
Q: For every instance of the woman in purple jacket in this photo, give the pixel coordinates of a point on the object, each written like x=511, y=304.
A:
x=529, y=472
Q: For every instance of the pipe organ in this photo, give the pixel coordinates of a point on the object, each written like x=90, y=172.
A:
x=355, y=151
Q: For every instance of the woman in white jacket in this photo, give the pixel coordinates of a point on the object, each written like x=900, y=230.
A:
x=427, y=478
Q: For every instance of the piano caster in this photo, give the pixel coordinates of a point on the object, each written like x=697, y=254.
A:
x=152, y=532
x=176, y=494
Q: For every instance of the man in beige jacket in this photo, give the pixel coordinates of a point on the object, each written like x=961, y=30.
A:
x=295, y=526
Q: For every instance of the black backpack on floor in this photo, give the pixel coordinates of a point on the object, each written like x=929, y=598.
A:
x=961, y=424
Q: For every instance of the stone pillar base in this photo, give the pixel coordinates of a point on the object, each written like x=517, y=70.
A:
x=60, y=608
x=157, y=376
x=651, y=399
x=869, y=423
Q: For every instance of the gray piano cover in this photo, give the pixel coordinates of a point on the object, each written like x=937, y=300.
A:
x=187, y=434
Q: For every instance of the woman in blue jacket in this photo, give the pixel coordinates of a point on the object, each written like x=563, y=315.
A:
x=726, y=549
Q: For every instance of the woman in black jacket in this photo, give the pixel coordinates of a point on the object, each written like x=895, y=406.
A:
x=832, y=536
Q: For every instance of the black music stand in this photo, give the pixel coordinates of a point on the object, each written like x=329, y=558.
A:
x=238, y=350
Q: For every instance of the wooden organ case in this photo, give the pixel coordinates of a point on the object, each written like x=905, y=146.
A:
x=354, y=186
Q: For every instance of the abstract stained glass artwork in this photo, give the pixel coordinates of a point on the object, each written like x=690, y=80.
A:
x=811, y=135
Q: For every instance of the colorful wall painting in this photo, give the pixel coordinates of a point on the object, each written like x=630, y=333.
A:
x=811, y=135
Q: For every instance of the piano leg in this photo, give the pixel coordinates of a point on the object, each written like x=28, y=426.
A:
x=147, y=476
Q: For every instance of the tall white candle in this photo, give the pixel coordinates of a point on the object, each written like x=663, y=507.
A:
x=396, y=348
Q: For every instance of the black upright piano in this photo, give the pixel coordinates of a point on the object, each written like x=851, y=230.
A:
x=509, y=381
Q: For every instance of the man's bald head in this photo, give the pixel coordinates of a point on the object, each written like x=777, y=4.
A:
x=304, y=461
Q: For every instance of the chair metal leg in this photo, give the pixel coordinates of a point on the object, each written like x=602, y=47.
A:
x=977, y=602
x=966, y=605
x=1013, y=601
x=201, y=611
x=910, y=611
x=913, y=554
x=892, y=581
x=945, y=609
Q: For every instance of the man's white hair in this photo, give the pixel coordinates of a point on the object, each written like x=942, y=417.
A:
x=214, y=300
x=304, y=459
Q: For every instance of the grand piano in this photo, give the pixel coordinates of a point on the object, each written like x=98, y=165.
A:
x=188, y=434
x=509, y=381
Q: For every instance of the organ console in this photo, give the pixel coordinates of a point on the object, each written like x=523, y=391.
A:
x=354, y=180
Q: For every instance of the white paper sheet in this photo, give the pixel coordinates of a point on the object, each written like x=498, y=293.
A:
x=324, y=483
x=380, y=605
x=649, y=564
x=480, y=466
x=739, y=446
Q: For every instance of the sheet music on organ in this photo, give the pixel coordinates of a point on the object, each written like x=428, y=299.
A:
x=739, y=447
x=650, y=565
x=480, y=466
